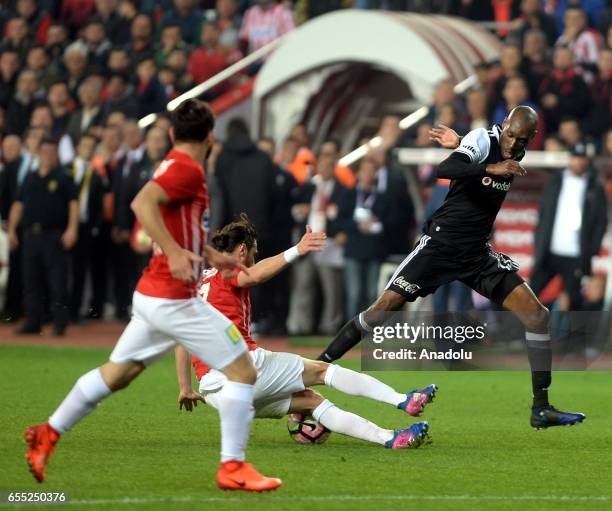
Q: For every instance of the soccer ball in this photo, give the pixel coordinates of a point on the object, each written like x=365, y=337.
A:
x=305, y=430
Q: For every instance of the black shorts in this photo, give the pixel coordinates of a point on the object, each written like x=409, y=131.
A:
x=432, y=264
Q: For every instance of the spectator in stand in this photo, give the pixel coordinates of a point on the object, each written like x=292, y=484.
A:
x=98, y=46
x=120, y=97
x=365, y=216
x=170, y=39
x=533, y=17
x=536, y=59
x=178, y=61
x=75, y=62
x=116, y=25
x=247, y=179
x=483, y=75
x=570, y=132
x=47, y=211
x=61, y=108
x=89, y=114
x=582, y=40
x=511, y=64
x=563, y=92
x=75, y=13
x=141, y=41
x=21, y=105
x=554, y=144
x=149, y=91
x=287, y=192
x=208, y=60
x=155, y=147
x=228, y=23
x=119, y=61
x=37, y=18
x=263, y=23
x=477, y=109
x=516, y=93
x=17, y=37
x=600, y=114
x=572, y=223
x=302, y=166
x=167, y=77
x=38, y=61
x=9, y=69
x=90, y=188
x=318, y=206
x=56, y=42
x=187, y=16
x=12, y=175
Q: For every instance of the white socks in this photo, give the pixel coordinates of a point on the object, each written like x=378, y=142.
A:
x=87, y=392
x=339, y=421
x=358, y=384
x=235, y=405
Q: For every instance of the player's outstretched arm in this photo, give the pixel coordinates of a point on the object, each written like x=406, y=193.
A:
x=146, y=208
x=445, y=136
x=267, y=268
x=188, y=397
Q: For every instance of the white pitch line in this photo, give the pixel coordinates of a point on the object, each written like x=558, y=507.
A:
x=318, y=498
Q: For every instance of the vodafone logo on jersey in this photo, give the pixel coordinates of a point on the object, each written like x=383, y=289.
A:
x=496, y=185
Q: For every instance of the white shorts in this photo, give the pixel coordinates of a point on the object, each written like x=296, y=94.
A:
x=159, y=324
x=279, y=376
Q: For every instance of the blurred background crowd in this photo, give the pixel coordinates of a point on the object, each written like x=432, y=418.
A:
x=77, y=75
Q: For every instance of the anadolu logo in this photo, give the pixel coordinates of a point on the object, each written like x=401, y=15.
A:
x=496, y=185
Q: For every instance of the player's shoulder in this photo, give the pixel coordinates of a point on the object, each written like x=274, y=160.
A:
x=209, y=274
x=479, y=134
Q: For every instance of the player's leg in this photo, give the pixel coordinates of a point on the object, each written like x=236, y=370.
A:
x=309, y=402
x=399, y=290
x=215, y=340
x=354, y=383
x=138, y=346
x=535, y=317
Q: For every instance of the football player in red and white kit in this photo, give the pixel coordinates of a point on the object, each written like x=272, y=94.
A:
x=283, y=378
x=173, y=209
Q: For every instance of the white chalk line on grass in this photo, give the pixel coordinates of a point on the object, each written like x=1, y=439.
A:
x=316, y=498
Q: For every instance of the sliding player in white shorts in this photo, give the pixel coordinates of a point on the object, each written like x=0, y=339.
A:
x=283, y=378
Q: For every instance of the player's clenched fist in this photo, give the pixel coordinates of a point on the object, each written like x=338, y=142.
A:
x=311, y=241
x=180, y=263
x=506, y=168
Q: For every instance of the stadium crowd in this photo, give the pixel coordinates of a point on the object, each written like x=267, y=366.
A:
x=76, y=75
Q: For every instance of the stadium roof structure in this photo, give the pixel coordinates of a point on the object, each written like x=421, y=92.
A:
x=333, y=58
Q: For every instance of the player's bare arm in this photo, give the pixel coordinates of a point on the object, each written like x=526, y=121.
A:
x=146, y=208
x=267, y=268
x=188, y=397
x=506, y=168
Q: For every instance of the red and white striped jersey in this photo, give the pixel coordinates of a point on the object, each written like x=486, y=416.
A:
x=262, y=26
x=229, y=299
x=186, y=218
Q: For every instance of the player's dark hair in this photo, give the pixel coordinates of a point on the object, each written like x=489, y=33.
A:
x=234, y=234
x=192, y=121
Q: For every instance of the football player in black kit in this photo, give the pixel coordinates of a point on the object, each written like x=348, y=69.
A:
x=455, y=246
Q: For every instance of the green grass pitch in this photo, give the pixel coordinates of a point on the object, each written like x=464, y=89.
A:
x=138, y=452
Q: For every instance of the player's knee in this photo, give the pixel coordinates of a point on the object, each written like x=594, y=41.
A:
x=119, y=376
x=313, y=399
x=539, y=319
x=320, y=370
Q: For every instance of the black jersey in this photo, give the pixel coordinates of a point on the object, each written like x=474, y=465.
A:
x=465, y=219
